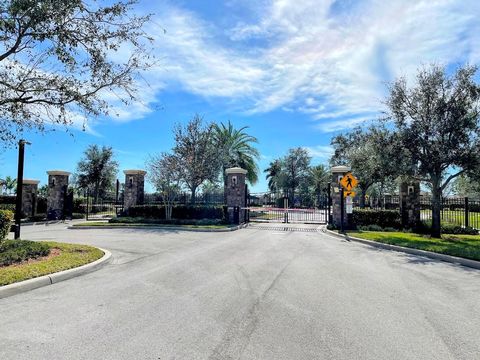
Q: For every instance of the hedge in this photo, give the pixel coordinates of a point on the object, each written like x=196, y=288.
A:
x=381, y=218
x=15, y=251
x=6, y=218
x=178, y=212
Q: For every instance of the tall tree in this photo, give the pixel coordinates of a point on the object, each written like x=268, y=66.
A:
x=57, y=59
x=97, y=170
x=10, y=185
x=438, y=122
x=195, y=154
x=295, y=169
x=319, y=179
x=273, y=175
x=374, y=156
x=236, y=148
x=164, y=174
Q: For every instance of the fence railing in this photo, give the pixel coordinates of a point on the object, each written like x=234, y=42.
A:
x=454, y=211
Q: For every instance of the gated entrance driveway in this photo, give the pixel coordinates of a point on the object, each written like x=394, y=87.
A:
x=249, y=294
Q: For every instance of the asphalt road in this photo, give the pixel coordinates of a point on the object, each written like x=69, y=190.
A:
x=249, y=294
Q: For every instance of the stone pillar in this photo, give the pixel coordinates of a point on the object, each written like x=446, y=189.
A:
x=29, y=197
x=235, y=194
x=337, y=173
x=410, y=204
x=134, y=192
x=57, y=191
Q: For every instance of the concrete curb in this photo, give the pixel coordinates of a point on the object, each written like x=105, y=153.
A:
x=435, y=256
x=176, y=228
x=27, y=285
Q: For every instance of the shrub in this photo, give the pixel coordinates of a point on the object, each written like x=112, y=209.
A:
x=180, y=212
x=332, y=227
x=376, y=228
x=6, y=218
x=426, y=228
x=141, y=220
x=381, y=218
x=458, y=230
x=14, y=251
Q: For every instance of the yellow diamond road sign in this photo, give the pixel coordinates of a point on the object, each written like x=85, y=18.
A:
x=349, y=182
x=349, y=193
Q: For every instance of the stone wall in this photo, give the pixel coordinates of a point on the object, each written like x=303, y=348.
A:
x=134, y=192
x=235, y=193
x=410, y=204
x=29, y=197
x=57, y=190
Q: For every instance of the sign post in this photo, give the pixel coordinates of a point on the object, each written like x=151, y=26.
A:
x=348, y=183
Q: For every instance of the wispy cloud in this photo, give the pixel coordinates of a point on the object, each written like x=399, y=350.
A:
x=328, y=59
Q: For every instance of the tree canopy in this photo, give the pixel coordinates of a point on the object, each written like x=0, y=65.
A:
x=437, y=120
x=60, y=59
x=236, y=148
x=97, y=170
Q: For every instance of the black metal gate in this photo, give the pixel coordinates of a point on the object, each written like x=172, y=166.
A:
x=275, y=207
x=103, y=207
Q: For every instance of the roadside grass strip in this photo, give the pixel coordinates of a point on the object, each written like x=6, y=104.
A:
x=62, y=257
x=464, y=246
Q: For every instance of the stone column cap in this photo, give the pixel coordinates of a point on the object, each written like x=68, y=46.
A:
x=340, y=169
x=30, y=182
x=134, y=172
x=236, y=170
x=58, y=172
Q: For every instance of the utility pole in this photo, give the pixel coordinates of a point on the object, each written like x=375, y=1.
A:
x=18, y=205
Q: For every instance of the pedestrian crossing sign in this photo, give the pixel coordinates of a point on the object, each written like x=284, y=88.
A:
x=349, y=181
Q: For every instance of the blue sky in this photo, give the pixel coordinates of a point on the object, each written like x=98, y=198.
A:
x=296, y=72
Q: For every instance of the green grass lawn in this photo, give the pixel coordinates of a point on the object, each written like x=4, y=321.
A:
x=71, y=256
x=103, y=223
x=465, y=246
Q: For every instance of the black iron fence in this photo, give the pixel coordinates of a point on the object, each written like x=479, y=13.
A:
x=460, y=211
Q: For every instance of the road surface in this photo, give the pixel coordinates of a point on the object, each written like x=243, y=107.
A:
x=249, y=294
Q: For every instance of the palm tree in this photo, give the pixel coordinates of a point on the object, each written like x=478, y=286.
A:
x=2, y=185
x=10, y=185
x=236, y=148
x=319, y=176
x=273, y=172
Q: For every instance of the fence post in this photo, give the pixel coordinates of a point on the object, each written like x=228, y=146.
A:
x=467, y=223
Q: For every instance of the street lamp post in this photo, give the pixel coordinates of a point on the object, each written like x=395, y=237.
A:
x=18, y=205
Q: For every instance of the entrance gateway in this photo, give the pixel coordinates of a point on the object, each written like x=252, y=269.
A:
x=269, y=207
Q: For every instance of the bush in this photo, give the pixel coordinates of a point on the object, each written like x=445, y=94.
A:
x=141, y=220
x=332, y=227
x=426, y=228
x=180, y=212
x=6, y=218
x=376, y=228
x=14, y=251
x=381, y=218
x=458, y=230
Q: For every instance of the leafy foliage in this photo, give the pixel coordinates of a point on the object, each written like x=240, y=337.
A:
x=6, y=219
x=236, y=148
x=15, y=251
x=437, y=121
x=195, y=154
x=57, y=60
x=97, y=170
x=381, y=218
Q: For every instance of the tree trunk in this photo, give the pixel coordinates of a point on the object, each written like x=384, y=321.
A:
x=436, y=208
x=362, y=199
x=192, y=198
